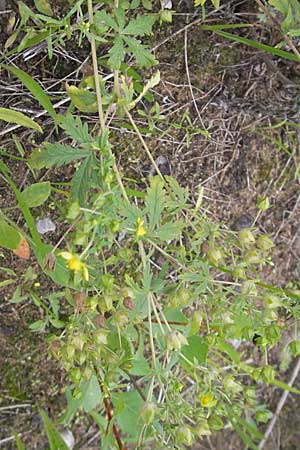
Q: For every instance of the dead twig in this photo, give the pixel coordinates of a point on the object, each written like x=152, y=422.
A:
x=279, y=406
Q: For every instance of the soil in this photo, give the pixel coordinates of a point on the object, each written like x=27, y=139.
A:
x=238, y=94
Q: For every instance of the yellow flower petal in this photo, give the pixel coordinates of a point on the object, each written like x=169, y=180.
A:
x=141, y=231
x=85, y=272
x=74, y=263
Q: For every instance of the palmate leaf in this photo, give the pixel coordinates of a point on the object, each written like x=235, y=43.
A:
x=116, y=54
x=56, y=155
x=76, y=129
x=169, y=231
x=143, y=57
x=101, y=19
x=140, y=26
x=81, y=180
x=155, y=201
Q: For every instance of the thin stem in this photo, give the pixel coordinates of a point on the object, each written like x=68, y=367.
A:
x=144, y=144
x=95, y=67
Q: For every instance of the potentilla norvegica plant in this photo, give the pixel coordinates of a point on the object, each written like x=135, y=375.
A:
x=158, y=295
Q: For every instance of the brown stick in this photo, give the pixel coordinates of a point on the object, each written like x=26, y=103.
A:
x=109, y=412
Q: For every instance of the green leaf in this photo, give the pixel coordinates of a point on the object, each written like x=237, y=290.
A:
x=229, y=350
x=81, y=179
x=91, y=394
x=117, y=54
x=76, y=129
x=82, y=98
x=38, y=325
x=73, y=404
x=36, y=194
x=24, y=12
x=285, y=386
x=155, y=200
x=264, y=47
x=128, y=406
x=140, y=26
x=169, y=231
x=37, y=91
x=120, y=16
x=56, y=442
x=154, y=81
x=195, y=351
x=11, y=116
x=10, y=238
x=56, y=155
x=44, y=7
x=143, y=57
x=140, y=367
x=20, y=446
x=101, y=18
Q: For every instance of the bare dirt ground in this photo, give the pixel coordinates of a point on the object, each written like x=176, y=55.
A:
x=236, y=93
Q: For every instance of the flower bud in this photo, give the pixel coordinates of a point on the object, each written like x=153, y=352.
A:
x=252, y=257
x=79, y=302
x=273, y=302
x=240, y=273
x=184, y=435
x=87, y=373
x=78, y=340
x=175, y=340
x=268, y=374
x=55, y=348
x=202, y=429
x=100, y=337
x=263, y=416
x=148, y=412
x=128, y=303
x=81, y=358
x=70, y=349
x=121, y=318
x=214, y=255
x=215, y=422
x=100, y=321
x=264, y=243
x=246, y=237
x=75, y=375
x=294, y=347
x=231, y=386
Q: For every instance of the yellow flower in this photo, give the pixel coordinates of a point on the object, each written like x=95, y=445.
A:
x=140, y=231
x=207, y=400
x=75, y=264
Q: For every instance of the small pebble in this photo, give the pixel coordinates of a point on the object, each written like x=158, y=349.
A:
x=68, y=437
x=241, y=222
x=45, y=225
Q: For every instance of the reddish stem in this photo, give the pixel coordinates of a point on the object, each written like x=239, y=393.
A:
x=109, y=412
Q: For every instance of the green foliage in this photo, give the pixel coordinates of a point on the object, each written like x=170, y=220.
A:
x=8, y=115
x=34, y=87
x=55, y=440
x=150, y=295
x=36, y=194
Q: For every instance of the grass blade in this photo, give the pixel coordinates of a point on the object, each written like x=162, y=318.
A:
x=34, y=88
x=266, y=48
x=11, y=116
